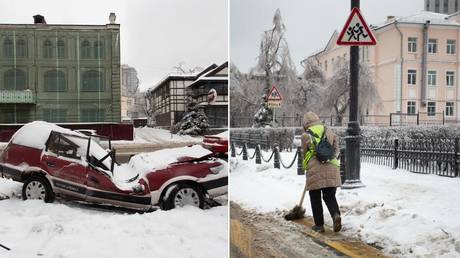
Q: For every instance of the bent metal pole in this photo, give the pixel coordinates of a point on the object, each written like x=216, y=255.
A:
x=352, y=158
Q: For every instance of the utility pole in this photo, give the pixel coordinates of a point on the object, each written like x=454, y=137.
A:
x=352, y=154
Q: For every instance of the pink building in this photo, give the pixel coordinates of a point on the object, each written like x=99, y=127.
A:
x=415, y=65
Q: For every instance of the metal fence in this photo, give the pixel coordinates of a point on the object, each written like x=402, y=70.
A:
x=393, y=119
x=278, y=162
x=426, y=156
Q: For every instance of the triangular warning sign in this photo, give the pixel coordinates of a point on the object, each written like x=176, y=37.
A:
x=274, y=94
x=356, y=32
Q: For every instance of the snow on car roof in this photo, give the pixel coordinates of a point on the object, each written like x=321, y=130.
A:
x=223, y=135
x=35, y=134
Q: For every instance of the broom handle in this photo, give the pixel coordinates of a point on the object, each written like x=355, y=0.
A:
x=303, y=194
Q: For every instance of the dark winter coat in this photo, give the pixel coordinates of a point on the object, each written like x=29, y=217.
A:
x=320, y=175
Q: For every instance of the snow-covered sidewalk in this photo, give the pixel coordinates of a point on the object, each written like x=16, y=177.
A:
x=65, y=230
x=407, y=214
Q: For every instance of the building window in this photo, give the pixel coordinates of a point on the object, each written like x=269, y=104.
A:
x=325, y=65
x=54, y=115
x=8, y=50
x=55, y=81
x=432, y=46
x=412, y=45
x=449, y=108
x=450, y=78
x=47, y=49
x=21, y=48
x=15, y=79
x=431, y=78
x=411, y=107
x=446, y=6
x=92, y=115
x=436, y=6
x=60, y=49
x=411, y=76
x=85, y=49
x=92, y=81
x=98, y=49
x=451, y=49
x=456, y=6
x=431, y=108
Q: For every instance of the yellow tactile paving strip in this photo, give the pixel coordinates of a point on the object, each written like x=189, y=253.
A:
x=342, y=244
x=241, y=237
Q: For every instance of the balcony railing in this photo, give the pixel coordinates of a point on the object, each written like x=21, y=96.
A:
x=17, y=97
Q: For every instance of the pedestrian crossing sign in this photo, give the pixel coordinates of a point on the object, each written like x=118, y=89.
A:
x=356, y=32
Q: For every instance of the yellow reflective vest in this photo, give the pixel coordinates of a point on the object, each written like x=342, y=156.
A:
x=318, y=130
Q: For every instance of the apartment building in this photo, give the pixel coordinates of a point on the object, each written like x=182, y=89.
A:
x=415, y=65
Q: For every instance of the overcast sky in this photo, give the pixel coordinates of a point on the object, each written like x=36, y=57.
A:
x=155, y=35
x=309, y=23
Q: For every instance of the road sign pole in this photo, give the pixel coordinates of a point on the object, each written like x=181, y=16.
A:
x=352, y=154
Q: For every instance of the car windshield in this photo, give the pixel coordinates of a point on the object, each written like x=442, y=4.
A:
x=95, y=150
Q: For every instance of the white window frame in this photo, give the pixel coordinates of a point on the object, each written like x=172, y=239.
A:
x=414, y=106
x=412, y=45
x=453, y=79
x=414, y=80
x=432, y=46
x=451, y=49
x=451, y=109
x=430, y=81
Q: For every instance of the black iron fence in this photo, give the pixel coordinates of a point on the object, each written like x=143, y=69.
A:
x=426, y=156
x=393, y=119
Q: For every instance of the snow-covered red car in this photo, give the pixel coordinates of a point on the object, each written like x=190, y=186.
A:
x=218, y=144
x=51, y=161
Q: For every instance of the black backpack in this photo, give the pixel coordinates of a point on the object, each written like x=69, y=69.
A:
x=324, y=150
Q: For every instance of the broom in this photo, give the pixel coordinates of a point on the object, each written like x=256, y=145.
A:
x=298, y=211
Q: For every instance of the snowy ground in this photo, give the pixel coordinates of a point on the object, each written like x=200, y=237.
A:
x=68, y=229
x=409, y=215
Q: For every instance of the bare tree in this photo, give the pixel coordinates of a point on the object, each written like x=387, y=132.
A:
x=336, y=92
x=181, y=68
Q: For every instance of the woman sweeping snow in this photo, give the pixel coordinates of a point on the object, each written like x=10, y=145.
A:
x=320, y=151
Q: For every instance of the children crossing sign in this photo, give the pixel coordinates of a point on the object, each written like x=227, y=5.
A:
x=356, y=32
x=274, y=98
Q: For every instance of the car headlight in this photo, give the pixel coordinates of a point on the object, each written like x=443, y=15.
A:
x=216, y=169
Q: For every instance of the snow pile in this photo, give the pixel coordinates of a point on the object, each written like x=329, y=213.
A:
x=155, y=135
x=71, y=230
x=407, y=214
x=144, y=163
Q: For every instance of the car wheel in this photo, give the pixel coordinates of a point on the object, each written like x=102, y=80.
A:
x=37, y=188
x=182, y=195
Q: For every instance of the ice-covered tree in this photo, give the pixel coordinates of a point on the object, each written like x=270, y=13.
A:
x=194, y=122
x=274, y=67
x=244, y=92
x=336, y=92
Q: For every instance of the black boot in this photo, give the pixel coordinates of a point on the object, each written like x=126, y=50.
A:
x=319, y=229
x=337, y=222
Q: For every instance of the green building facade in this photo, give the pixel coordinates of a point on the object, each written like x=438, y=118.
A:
x=60, y=73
